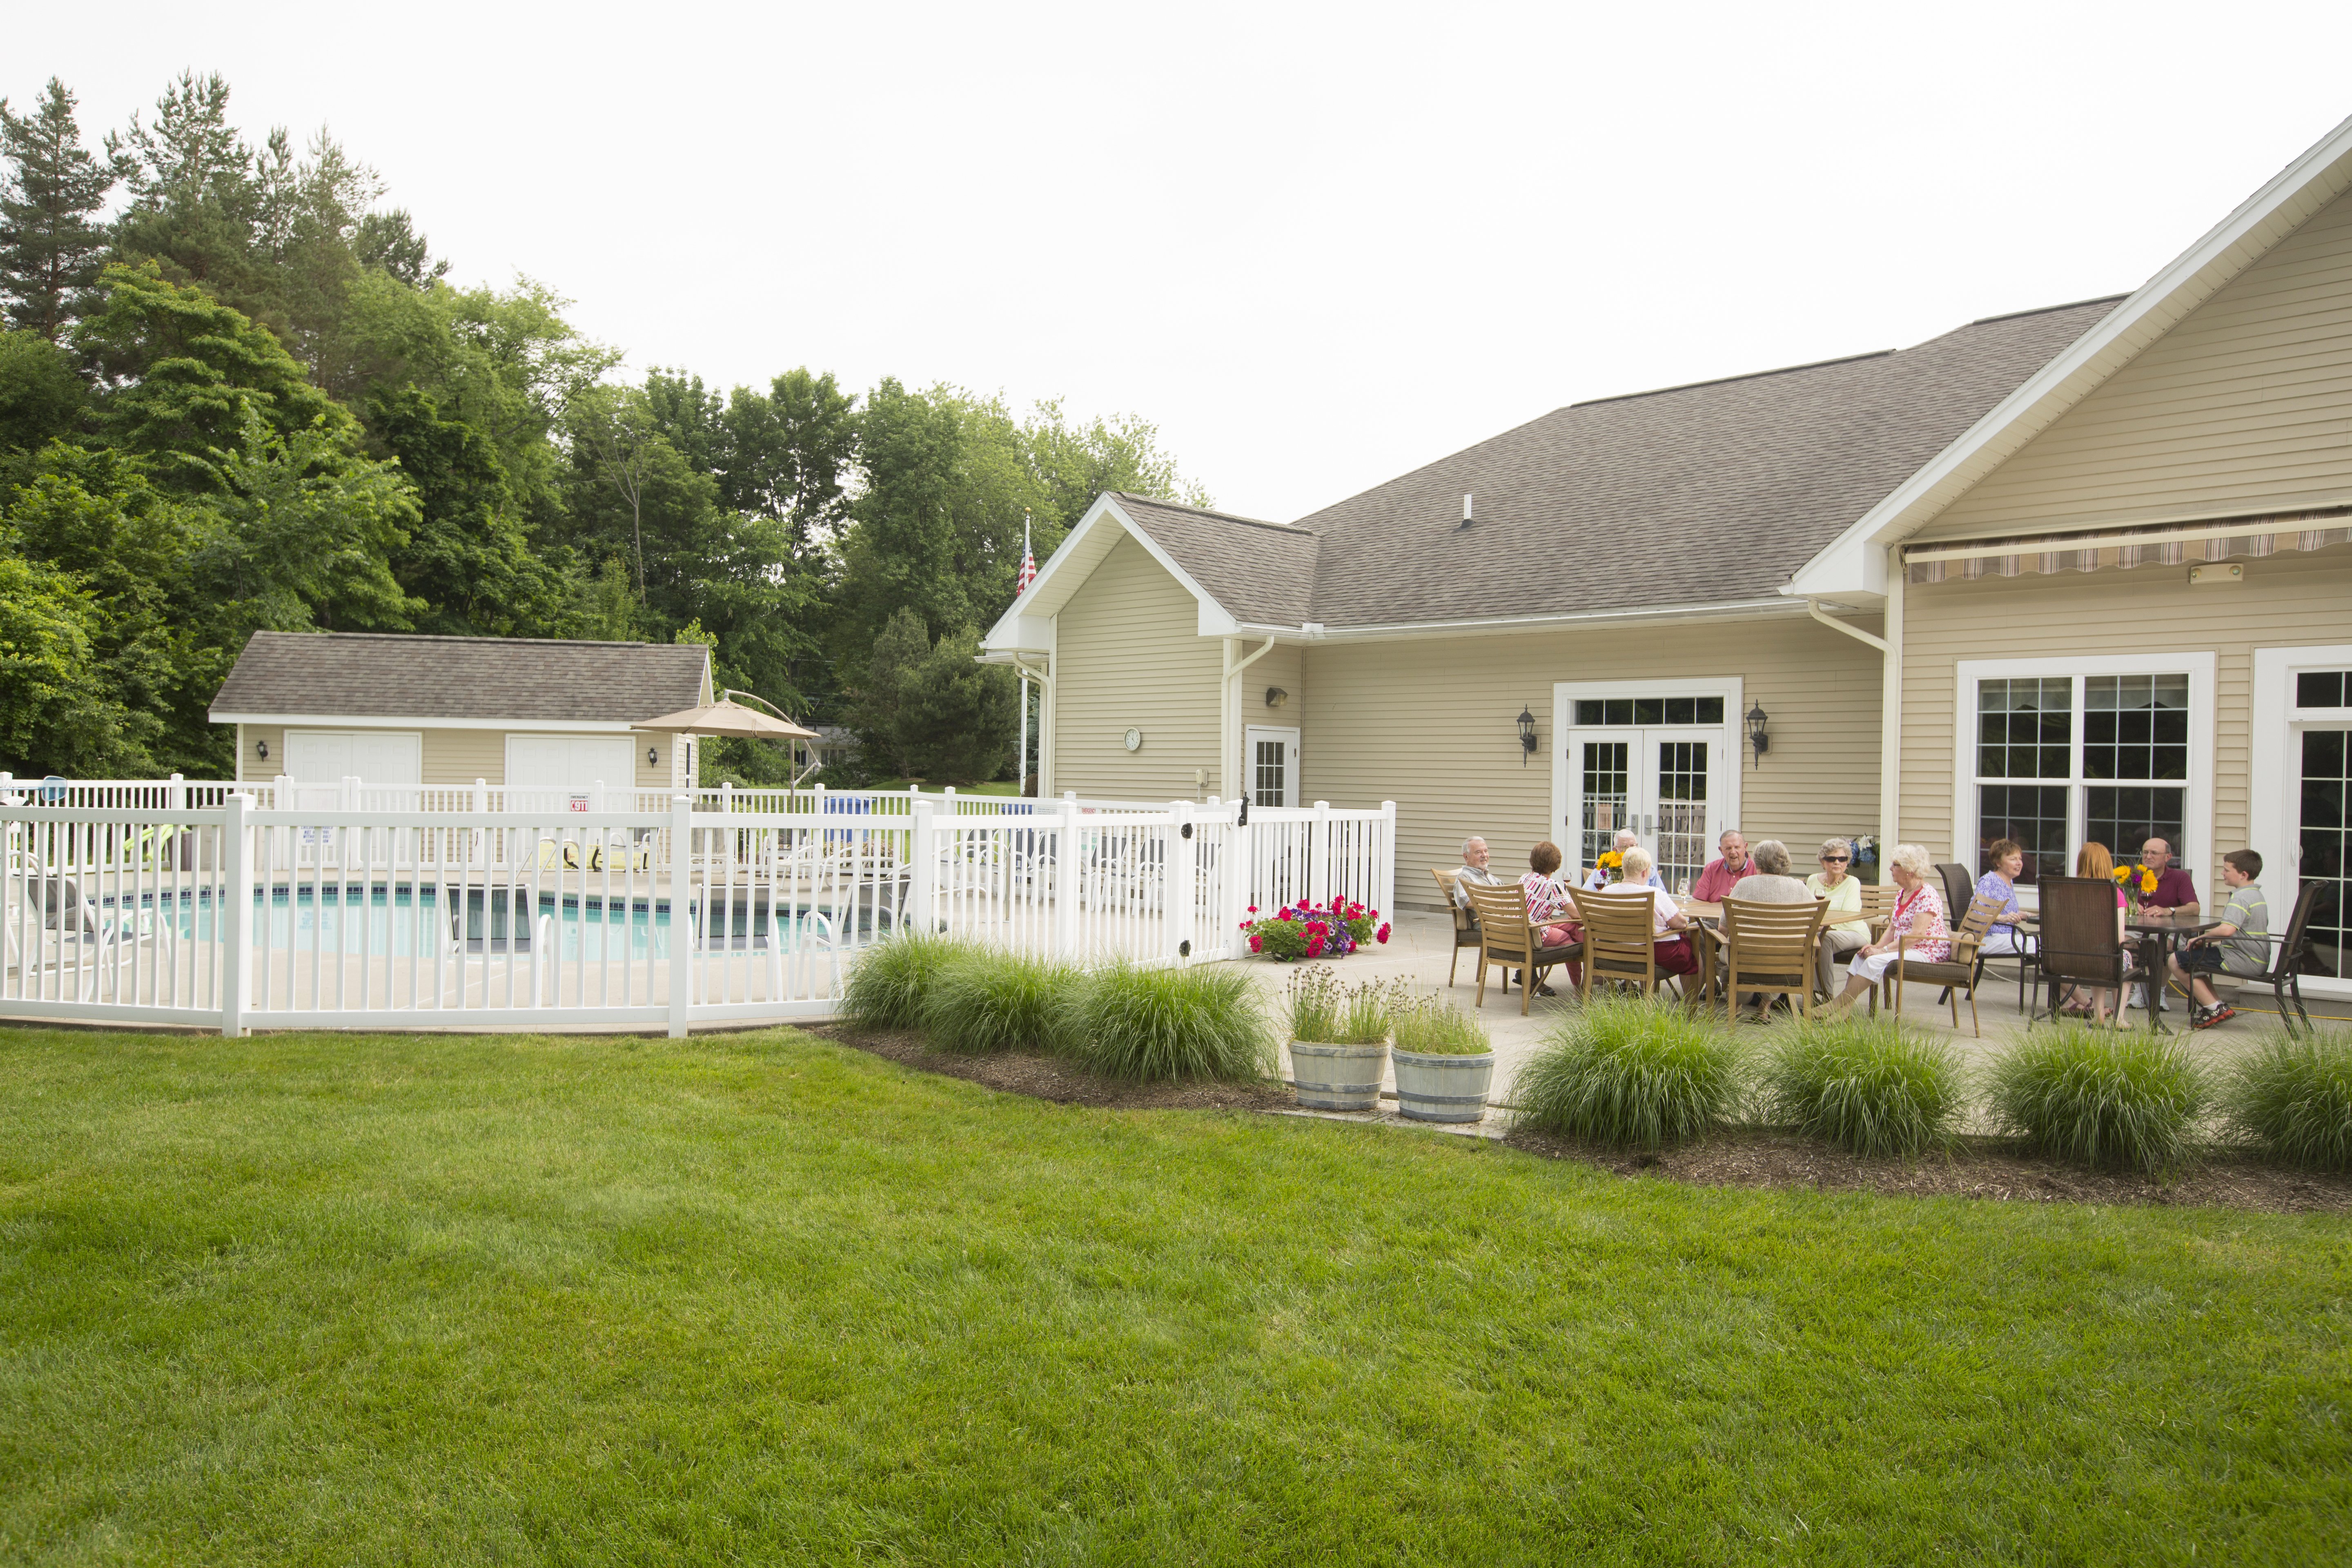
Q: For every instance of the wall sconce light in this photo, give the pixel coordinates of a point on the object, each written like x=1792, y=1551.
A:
x=1276, y=696
x=653, y=756
x=1528, y=742
x=1756, y=739
x=261, y=749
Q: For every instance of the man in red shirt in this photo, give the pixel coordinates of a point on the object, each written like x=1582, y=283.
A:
x=1721, y=876
x=2174, y=894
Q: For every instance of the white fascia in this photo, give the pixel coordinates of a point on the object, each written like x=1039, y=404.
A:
x=1026, y=623
x=1505, y=625
x=1853, y=567
x=381, y=722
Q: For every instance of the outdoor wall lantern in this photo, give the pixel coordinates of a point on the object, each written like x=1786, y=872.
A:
x=1756, y=738
x=1527, y=735
x=1276, y=696
x=261, y=748
x=653, y=756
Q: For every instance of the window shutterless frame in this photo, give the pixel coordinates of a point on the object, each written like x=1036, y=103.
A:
x=2060, y=782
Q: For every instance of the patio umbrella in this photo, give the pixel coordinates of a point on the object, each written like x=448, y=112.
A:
x=726, y=717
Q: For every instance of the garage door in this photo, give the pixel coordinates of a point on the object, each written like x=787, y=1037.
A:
x=554, y=773
x=322, y=759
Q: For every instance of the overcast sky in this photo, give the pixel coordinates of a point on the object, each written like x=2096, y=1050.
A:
x=1317, y=246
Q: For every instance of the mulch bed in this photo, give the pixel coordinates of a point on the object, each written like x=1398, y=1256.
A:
x=1979, y=1168
x=1744, y=1157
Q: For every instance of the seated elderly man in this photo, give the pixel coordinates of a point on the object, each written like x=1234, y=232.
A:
x=1768, y=883
x=1474, y=868
x=1716, y=882
x=1598, y=879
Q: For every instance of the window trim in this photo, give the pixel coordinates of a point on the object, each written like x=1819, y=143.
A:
x=1732, y=689
x=2269, y=781
x=2198, y=811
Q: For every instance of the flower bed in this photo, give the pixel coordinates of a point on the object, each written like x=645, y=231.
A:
x=1313, y=930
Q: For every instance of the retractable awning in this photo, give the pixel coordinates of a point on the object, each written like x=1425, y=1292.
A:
x=2172, y=545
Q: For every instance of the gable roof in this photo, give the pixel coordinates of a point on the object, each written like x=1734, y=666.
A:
x=325, y=675
x=1261, y=572
x=1853, y=564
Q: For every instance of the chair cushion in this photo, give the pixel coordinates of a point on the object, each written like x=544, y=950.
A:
x=1938, y=972
x=1567, y=955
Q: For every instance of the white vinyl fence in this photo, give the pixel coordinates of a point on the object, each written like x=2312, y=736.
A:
x=362, y=914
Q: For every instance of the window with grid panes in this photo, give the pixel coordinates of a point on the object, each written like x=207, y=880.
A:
x=2324, y=817
x=2025, y=734
x=2066, y=760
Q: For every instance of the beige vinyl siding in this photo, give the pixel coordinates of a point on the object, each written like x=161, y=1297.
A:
x=2285, y=600
x=1128, y=655
x=255, y=767
x=1432, y=725
x=453, y=757
x=1284, y=666
x=461, y=756
x=2248, y=402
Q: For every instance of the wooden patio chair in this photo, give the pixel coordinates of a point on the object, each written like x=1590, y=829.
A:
x=1956, y=974
x=1770, y=948
x=1505, y=936
x=1619, y=938
x=1466, y=925
x=2284, y=974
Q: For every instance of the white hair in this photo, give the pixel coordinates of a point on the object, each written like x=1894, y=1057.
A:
x=1912, y=857
x=1637, y=864
x=1627, y=835
x=1474, y=838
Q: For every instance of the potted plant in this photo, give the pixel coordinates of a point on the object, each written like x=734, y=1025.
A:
x=1338, y=1041
x=1444, y=1063
x=1309, y=929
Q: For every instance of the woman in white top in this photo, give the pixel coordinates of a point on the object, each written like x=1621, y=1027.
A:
x=1673, y=951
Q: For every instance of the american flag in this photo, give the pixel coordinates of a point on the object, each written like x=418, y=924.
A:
x=1028, y=563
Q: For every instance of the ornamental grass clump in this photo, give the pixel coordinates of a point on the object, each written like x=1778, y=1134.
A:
x=891, y=983
x=1319, y=1010
x=1168, y=1026
x=983, y=1002
x=1870, y=1086
x=1631, y=1073
x=2292, y=1100
x=2100, y=1096
x=1437, y=1028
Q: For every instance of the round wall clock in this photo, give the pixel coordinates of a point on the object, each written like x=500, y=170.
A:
x=1135, y=740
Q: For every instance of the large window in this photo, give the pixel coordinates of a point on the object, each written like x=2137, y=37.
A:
x=2090, y=755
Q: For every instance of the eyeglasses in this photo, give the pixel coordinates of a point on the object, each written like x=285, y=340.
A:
x=1835, y=859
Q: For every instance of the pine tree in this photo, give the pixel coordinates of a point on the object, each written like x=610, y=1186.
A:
x=50, y=250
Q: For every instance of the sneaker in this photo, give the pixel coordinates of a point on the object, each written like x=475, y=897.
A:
x=2213, y=1016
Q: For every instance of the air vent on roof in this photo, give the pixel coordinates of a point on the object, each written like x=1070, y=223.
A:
x=1466, y=518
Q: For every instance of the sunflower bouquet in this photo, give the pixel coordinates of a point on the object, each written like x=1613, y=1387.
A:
x=2136, y=882
x=1614, y=862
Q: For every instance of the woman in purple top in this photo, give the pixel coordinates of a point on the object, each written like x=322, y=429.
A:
x=2008, y=857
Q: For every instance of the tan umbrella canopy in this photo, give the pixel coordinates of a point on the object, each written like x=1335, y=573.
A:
x=726, y=717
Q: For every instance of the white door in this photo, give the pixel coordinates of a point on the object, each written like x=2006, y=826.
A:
x=1665, y=784
x=319, y=760
x=1270, y=765
x=558, y=773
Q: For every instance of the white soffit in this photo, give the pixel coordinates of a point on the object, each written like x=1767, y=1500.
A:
x=1852, y=564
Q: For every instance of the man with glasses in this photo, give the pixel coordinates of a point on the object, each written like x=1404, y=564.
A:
x=2175, y=895
x=1835, y=882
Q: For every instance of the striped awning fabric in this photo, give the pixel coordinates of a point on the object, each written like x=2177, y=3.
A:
x=2186, y=544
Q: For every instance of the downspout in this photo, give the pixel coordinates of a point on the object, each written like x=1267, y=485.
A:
x=1229, y=743
x=1890, y=712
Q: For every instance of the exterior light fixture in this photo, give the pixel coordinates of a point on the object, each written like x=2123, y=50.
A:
x=1528, y=742
x=1758, y=740
x=1276, y=696
x=261, y=749
x=653, y=756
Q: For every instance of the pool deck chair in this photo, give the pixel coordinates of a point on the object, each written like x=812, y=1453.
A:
x=1505, y=936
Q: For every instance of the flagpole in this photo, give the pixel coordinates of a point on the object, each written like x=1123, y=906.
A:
x=1022, y=788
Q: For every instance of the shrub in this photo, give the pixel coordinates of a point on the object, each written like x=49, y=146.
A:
x=1867, y=1085
x=1166, y=1026
x=890, y=984
x=1319, y=1010
x=987, y=1001
x=2293, y=1099
x=2100, y=1096
x=1438, y=1029
x=1631, y=1072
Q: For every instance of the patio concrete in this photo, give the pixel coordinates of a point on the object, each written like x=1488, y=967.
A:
x=1421, y=945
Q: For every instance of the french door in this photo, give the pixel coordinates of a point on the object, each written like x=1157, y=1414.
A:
x=1665, y=784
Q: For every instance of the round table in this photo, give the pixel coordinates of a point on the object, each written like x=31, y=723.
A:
x=2166, y=932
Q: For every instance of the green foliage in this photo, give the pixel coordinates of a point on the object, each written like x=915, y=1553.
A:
x=2292, y=1099
x=890, y=985
x=41, y=398
x=2100, y=1096
x=928, y=711
x=1432, y=1025
x=56, y=711
x=51, y=246
x=1630, y=1072
x=1319, y=1010
x=1169, y=1026
x=986, y=1001
x=1870, y=1086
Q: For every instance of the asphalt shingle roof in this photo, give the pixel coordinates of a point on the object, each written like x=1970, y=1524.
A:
x=1700, y=494
x=372, y=675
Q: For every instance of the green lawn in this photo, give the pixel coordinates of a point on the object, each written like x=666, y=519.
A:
x=758, y=1298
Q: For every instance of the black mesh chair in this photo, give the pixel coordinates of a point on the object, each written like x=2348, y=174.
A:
x=2284, y=974
x=2081, y=944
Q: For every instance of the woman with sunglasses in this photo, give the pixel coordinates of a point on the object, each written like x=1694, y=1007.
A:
x=1845, y=894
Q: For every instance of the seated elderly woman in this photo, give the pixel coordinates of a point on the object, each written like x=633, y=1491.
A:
x=1549, y=909
x=1772, y=884
x=1835, y=882
x=1919, y=916
x=2008, y=857
x=1673, y=950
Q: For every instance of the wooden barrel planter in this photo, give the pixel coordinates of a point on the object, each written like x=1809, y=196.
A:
x=1337, y=1078
x=1442, y=1088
